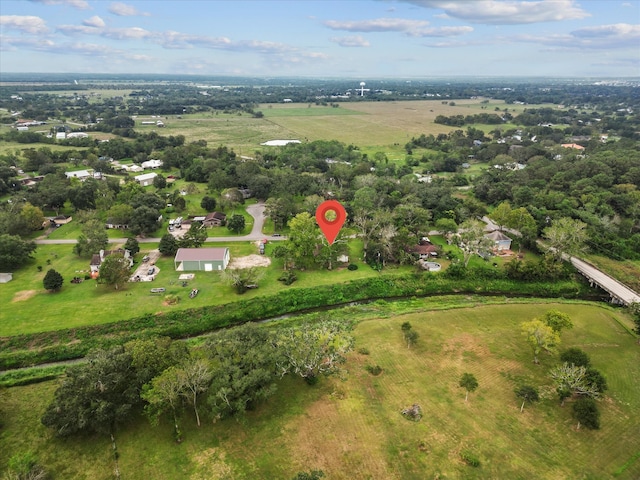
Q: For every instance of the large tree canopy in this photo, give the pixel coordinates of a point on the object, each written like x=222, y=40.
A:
x=14, y=252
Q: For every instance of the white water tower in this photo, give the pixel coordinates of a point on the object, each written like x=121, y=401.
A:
x=362, y=84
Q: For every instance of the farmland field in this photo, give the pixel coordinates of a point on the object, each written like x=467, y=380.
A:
x=350, y=426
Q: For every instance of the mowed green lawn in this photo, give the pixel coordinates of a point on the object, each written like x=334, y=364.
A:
x=350, y=425
x=29, y=308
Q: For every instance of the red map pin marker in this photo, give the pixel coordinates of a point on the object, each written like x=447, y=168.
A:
x=330, y=228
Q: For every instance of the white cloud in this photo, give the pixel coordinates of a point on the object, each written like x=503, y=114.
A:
x=508, y=12
x=27, y=24
x=412, y=28
x=378, y=25
x=135, y=33
x=94, y=21
x=444, y=31
x=353, y=41
x=621, y=35
x=124, y=10
x=78, y=29
x=79, y=4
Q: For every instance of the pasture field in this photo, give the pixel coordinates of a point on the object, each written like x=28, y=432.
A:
x=350, y=426
x=372, y=126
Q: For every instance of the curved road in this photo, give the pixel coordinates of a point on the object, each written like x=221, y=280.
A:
x=256, y=211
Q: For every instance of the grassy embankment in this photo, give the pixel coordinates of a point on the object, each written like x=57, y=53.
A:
x=350, y=426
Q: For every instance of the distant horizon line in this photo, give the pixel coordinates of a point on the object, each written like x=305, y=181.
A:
x=319, y=77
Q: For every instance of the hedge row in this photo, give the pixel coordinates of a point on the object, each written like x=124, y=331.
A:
x=33, y=349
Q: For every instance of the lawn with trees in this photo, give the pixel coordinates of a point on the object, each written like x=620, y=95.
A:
x=461, y=162
x=490, y=427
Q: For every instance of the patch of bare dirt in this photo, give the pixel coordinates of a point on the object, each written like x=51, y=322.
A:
x=211, y=465
x=249, y=261
x=23, y=295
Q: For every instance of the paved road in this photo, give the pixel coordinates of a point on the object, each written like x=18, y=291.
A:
x=609, y=284
x=256, y=211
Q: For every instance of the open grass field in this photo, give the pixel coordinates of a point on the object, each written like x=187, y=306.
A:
x=350, y=427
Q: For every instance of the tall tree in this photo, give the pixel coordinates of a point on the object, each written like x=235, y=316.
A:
x=572, y=380
x=243, y=361
x=501, y=215
x=115, y=270
x=557, y=320
x=540, y=337
x=303, y=239
x=132, y=245
x=527, y=394
x=14, y=252
x=94, y=396
x=208, y=203
x=92, y=239
x=236, y=223
x=144, y=220
x=33, y=217
x=168, y=245
x=311, y=350
x=566, y=236
x=194, y=237
x=52, y=280
x=164, y=394
x=471, y=239
x=196, y=376
x=585, y=410
x=469, y=382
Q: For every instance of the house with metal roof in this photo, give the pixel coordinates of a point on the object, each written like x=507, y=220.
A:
x=201, y=259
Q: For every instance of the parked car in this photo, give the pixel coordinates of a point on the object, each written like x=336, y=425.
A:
x=157, y=290
x=151, y=271
x=194, y=292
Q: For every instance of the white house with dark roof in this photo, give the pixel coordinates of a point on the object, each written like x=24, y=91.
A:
x=79, y=174
x=500, y=240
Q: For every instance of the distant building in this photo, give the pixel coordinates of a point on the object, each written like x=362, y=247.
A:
x=79, y=174
x=145, y=179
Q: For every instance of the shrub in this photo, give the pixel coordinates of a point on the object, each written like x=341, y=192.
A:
x=374, y=369
x=171, y=299
x=470, y=458
x=352, y=267
x=288, y=277
x=363, y=351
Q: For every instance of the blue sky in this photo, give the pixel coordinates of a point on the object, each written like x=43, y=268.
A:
x=348, y=38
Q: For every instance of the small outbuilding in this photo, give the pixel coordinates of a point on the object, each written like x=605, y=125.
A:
x=145, y=179
x=201, y=259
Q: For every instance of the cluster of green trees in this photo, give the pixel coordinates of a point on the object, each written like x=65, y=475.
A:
x=231, y=372
x=573, y=378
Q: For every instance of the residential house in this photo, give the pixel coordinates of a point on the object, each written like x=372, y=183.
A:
x=98, y=258
x=111, y=223
x=57, y=221
x=79, y=174
x=145, y=179
x=151, y=164
x=201, y=259
x=214, y=219
x=500, y=240
x=425, y=249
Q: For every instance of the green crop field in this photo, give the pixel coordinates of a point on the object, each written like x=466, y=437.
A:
x=350, y=426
